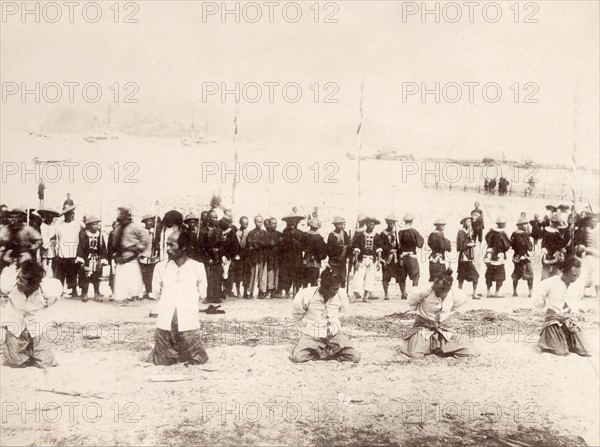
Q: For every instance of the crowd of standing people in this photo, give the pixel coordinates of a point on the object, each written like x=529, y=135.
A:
x=179, y=260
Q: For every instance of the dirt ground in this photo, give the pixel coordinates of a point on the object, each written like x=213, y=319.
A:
x=249, y=393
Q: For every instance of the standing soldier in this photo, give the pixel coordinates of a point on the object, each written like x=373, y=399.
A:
x=498, y=244
x=466, y=252
x=149, y=257
x=389, y=254
x=291, y=268
x=239, y=264
x=409, y=240
x=191, y=224
x=553, y=247
x=48, y=232
x=367, y=253
x=478, y=223
x=255, y=246
x=339, y=249
x=91, y=254
x=536, y=229
x=522, y=246
x=231, y=251
x=210, y=246
x=273, y=244
x=439, y=245
x=315, y=250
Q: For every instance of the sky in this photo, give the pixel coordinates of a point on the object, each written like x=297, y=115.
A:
x=174, y=50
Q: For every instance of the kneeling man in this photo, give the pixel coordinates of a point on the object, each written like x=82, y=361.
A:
x=179, y=283
x=434, y=306
x=26, y=317
x=561, y=295
x=318, y=309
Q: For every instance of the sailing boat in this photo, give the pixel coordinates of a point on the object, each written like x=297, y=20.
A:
x=101, y=131
x=196, y=138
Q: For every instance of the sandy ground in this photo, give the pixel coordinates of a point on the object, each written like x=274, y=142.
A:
x=249, y=393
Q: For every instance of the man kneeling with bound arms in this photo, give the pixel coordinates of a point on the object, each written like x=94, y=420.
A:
x=433, y=306
x=26, y=317
x=318, y=309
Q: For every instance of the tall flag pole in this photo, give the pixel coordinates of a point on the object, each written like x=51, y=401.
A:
x=235, y=154
x=359, y=139
x=574, y=172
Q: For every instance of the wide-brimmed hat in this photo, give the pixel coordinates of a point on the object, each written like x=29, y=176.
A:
x=148, y=217
x=566, y=205
x=408, y=217
x=314, y=222
x=68, y=209
x=48, y=212
x=500, y=220
x=293, y=218
x=465, y=218
x=522, y=221
x=91, y=219
x=191, y=216
x=371, y=219
x=440, y=221
x=338, y=220
x=391, y=217
x=17, y=211
x=551, y=208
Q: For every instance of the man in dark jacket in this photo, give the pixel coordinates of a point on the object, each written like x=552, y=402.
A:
x=522, y=246
x=290, y=266
x=315, y=251
x=389, y=255
x=367, y=255
x=409, y=240
x=498, y=244
x=339, y=249
x=91, y=254
x=439, y=245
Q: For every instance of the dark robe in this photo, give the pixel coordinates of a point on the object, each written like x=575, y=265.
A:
x=290, y=266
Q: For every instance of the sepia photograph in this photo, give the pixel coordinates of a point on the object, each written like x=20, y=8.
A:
x=300, y=223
